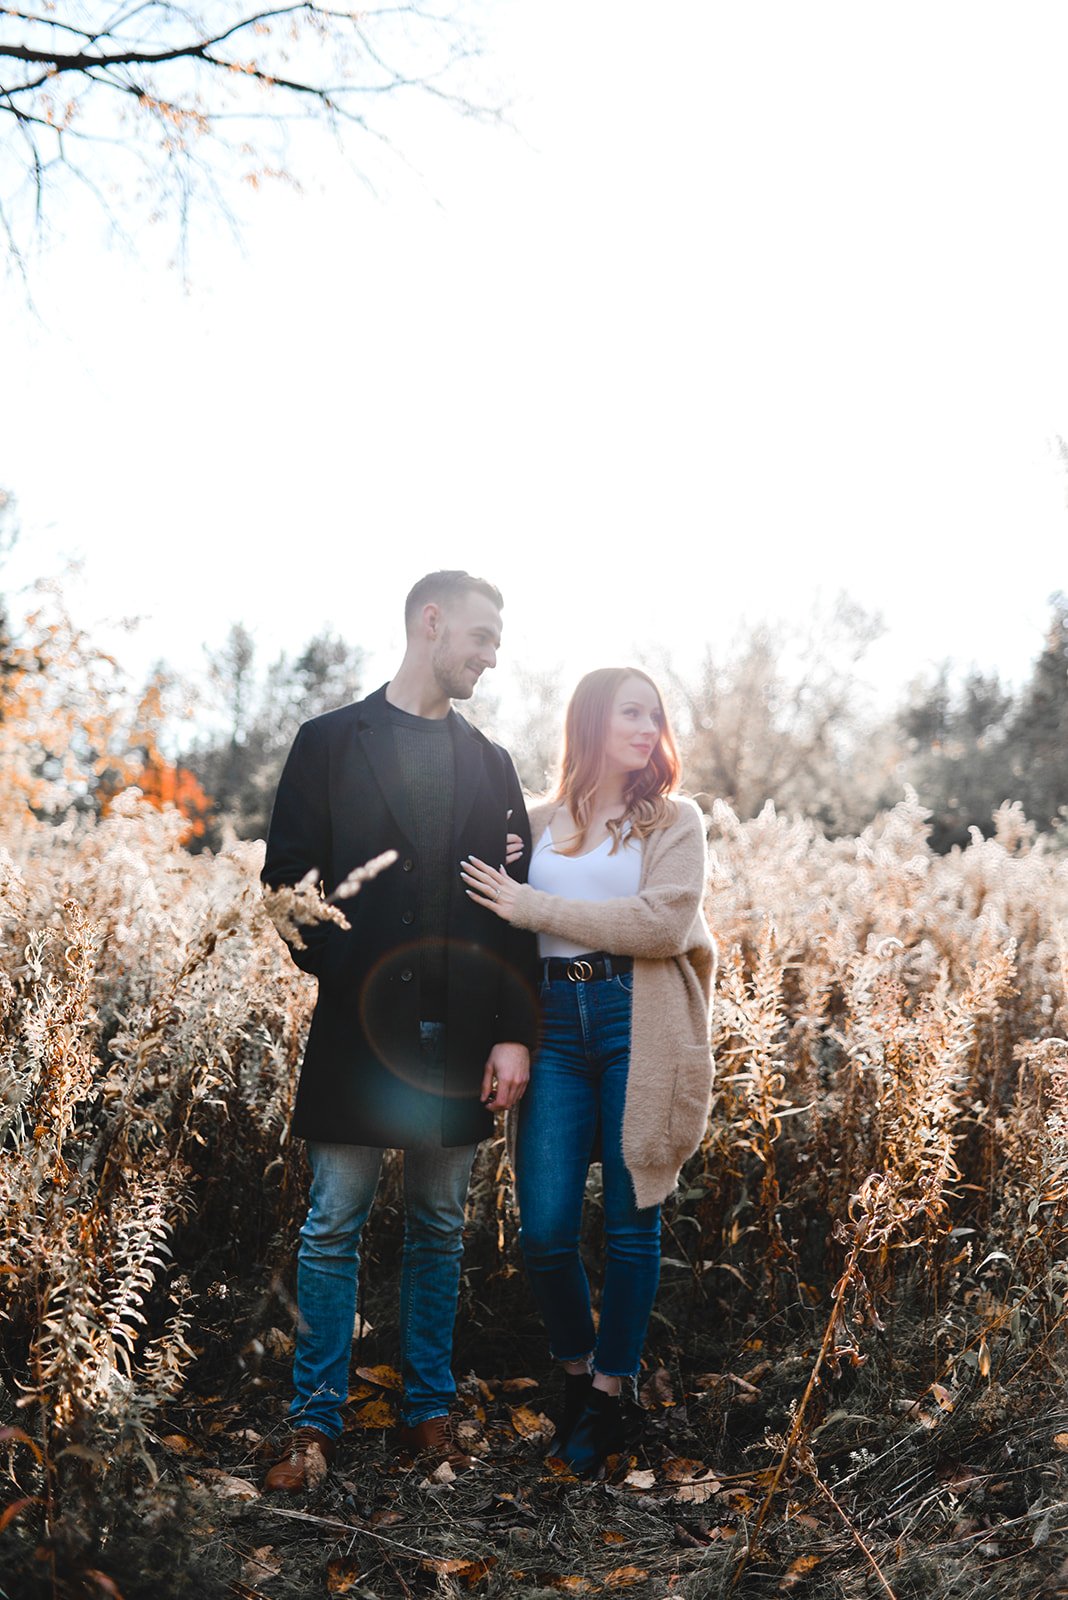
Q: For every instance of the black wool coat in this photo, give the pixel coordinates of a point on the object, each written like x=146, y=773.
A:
x=340, y=802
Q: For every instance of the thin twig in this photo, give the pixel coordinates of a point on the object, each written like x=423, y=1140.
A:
x=862, y=1547
x=349, y=1527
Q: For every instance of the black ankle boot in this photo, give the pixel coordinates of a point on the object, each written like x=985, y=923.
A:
x=577, y=1387
x=597, y=1434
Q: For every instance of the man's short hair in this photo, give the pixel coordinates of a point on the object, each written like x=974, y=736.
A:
x=443, y=589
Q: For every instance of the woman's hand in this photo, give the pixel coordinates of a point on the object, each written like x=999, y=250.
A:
x=513, y=844
x=489, y=887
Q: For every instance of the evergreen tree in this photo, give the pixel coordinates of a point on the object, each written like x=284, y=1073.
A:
x=1039, y=733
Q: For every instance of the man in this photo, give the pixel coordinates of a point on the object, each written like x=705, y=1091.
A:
x=425, y=1014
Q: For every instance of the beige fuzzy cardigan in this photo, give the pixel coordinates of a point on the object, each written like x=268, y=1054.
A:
x=663, y=927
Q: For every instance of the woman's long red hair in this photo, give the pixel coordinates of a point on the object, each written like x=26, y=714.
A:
x=645, y=795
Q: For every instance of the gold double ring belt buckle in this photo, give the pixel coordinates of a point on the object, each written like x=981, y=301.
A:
x=579, y=971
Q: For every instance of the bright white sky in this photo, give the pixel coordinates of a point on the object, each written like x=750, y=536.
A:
x=763, y=301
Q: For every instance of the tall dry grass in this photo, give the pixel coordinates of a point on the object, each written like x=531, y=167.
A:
x=889, y=1132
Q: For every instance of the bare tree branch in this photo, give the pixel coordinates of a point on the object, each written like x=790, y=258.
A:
x=199, y=101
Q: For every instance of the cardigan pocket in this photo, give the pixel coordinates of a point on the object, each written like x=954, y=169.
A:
x=690, y=1100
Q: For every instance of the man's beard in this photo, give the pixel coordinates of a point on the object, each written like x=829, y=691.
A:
x=449, y=675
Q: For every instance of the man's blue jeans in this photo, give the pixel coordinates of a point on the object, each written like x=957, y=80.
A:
x=344, y=1179
x=578, y=1084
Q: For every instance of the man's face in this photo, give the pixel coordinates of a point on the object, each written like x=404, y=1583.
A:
x=468, y=638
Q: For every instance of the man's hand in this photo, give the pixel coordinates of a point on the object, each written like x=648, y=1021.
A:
x=506, y=1076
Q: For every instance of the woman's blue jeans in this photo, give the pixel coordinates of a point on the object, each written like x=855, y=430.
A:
x=344, y=1179
x=578, y=1086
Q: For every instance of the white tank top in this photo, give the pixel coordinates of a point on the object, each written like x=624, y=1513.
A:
x=596, y=875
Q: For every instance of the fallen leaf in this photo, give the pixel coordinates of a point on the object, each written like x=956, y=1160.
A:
x=624, y=1577
x=530, y=1424
x=278, y=1344
x=385, y=1517
x=228, y=1487
x=610, y=1536
x=797, y=1571
x=640, y=1480
x=477, y=1570
x=517, y=1385
x=442, y=1473
x=569, y=1583
x=1060, y=1441
x=341, y=1575
x=657, y=1390
x=679, y=1468
x=468, y=1572
x=180, y=1444
x=375, y=1414
x=382, y=1377
x=756, y=1374
x=696, y=1493
x=942, y=1396
x=261, y=1564
x=361, y=1391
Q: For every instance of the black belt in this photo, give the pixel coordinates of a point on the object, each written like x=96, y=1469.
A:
x=580, y=969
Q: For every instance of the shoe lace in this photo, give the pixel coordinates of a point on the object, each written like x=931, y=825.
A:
x=447, y=1439
x=304, y=1437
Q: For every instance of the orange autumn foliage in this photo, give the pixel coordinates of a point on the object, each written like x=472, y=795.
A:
x=163, y=784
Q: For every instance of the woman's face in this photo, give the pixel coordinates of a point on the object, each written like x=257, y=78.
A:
x=634, y=725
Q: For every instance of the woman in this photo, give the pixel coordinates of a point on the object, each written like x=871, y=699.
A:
x=614, y=892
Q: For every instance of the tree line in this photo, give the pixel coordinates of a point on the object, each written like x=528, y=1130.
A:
x=772, y=718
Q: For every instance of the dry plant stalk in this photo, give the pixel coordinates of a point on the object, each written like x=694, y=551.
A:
x=892, y=1067
x=151, y=1027
x=292, y=906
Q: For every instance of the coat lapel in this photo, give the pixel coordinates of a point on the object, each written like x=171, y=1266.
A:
x=468, y=756
x=376, y=739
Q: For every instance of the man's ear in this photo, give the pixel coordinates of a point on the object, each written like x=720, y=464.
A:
x=432, y=620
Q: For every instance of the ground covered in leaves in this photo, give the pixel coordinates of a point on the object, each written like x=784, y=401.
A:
x=908, y=1492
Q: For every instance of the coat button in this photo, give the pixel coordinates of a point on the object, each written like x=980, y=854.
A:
x=408, y=917
x=406, y=975
x=407, y=864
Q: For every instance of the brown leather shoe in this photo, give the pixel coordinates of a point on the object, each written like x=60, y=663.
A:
x=307, y=1461
x=436, y=1438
